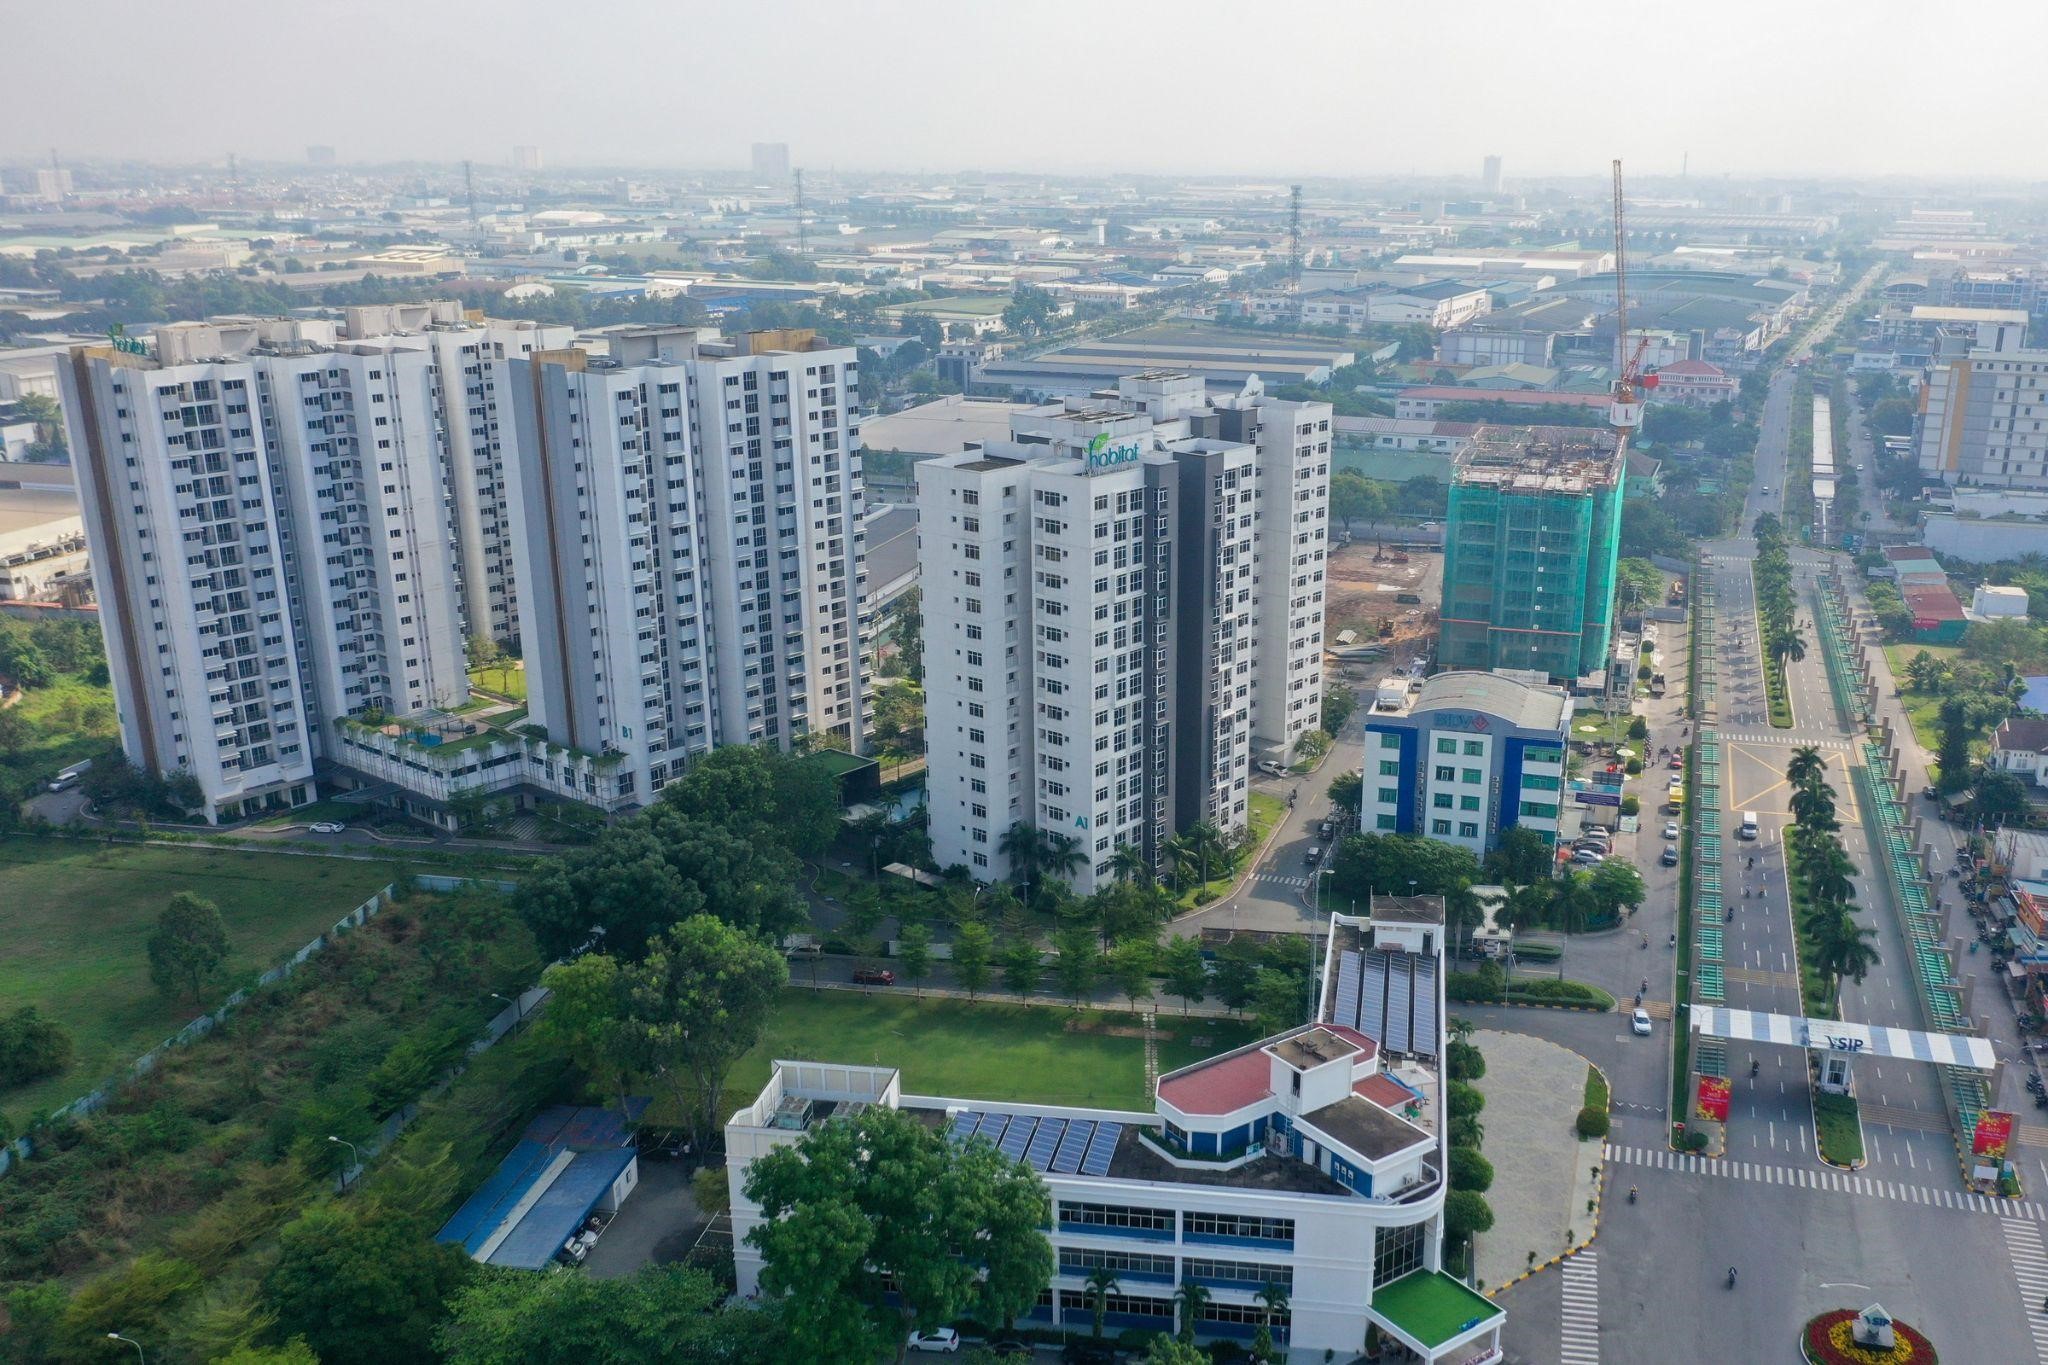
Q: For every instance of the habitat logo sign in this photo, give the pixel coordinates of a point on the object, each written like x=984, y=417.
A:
x=1103, y=455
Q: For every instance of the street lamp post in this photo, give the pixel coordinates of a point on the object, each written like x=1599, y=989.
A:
x=116, y=1336
x=355, y=1157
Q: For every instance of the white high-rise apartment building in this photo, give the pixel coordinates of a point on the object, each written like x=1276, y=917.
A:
x=478, y=432
x=1117, y=604
x=267, y=514
x=686, y=512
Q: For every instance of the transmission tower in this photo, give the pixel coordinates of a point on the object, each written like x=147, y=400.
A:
x=803, y=235
x=1294, y=248
x=234, y=182
x=469, y=190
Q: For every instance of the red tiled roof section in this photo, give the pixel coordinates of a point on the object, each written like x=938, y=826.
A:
x=1222, y=1086
x=1368, y=1049
x=1384, y=1091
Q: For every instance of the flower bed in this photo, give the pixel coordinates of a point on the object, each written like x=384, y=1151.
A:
x=1829, y=1340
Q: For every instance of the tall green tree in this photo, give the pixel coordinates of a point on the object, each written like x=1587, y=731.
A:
x=363, y=1285
x=1187, y=973
x=188, y=946
x=1076, y=960
x=696, y=1005
x=973, y=956
x=914, y=955
x=663, y=1313
x=1022, y=967
x=1130, y=964
x=878, y=1199
x=587, y=1018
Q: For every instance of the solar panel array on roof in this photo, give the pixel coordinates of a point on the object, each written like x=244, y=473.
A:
x=1061, y=1146
x=1100, y=1148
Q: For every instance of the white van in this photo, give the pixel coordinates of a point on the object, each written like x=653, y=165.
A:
x=1749, y=826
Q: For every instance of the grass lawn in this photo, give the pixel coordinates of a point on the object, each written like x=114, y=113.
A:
x=509, y=681
x=1263, y=812
x=1923, y=709
x=1839, y=1130
x=1596, y=1090
x=980, y=1051
x=67, y=721
x=1432, y=1305
x=78, y=916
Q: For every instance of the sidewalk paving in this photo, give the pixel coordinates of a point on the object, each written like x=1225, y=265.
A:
x=1543, y=1175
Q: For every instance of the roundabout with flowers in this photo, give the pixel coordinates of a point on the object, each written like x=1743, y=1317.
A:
x=1830, y=1339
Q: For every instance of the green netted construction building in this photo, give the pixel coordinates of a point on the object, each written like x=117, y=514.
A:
x=1530, y=551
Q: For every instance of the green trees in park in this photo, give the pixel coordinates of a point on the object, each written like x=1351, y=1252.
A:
x=663, y=1313
x=677, y=1019
x=189, y=945
x=724, y=839
x=878, y=1203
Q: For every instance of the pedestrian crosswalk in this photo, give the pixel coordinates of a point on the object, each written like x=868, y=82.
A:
x=2030, y=1268
x=1784, y=737
x=1579, y=1335
x=1282, y=879
x=1826, y=1179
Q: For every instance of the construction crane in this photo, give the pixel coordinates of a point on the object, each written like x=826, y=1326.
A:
x=1625, y=412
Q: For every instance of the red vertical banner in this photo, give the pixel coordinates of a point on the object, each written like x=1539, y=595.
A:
x=1713, y=1098
x=1994, y=1134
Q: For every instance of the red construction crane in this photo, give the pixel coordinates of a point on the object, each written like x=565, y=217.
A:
x=1625, y=412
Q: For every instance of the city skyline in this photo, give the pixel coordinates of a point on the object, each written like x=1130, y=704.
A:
x=1664, y=95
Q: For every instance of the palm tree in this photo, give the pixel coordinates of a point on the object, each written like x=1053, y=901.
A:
x=1806, y=767
x=1205, y=842
x=1841, y=947
x=1573, y=901
x=1813, y=806
x=1059, y=854
x=1129, y=864
x=1790, y=645
x=868, y=828
x=1828, y=879
x=1020, y=845
x=1526, y=904
x=1272, y=1299
x=1102, y=1282
x=1190, y=1299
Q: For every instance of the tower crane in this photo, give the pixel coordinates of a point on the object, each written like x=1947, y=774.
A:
x=1625, y=411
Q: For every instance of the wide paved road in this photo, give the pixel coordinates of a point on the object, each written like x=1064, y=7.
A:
x=1804, y=1237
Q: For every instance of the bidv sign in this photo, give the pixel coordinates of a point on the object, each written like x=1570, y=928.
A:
x=1106, y=453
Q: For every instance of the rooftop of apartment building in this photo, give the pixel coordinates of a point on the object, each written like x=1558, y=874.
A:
x=1540, y=459
x=1525, y=705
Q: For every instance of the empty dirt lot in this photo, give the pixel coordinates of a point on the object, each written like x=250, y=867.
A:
x=1360, y=594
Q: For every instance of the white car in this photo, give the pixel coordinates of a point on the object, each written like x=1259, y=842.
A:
x=1639, y=1022
x=327, y=827
x=1586, y=857
x=1671, y=829
x=943, y=1339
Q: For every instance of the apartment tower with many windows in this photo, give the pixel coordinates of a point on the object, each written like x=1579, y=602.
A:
x=267, y=515
x=1123, y=608
x=686, y=513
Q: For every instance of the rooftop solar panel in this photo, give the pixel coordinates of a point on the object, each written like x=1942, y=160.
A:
x=963, y=1124
x=1067, y=1159
x=1100, y=1148
x=1018, y=1137
x=992, y=1127
x=1044, y=1142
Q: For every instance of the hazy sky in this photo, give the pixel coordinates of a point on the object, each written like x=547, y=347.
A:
x=1848, y=87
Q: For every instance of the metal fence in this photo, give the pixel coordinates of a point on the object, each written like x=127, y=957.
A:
x=21, y=1148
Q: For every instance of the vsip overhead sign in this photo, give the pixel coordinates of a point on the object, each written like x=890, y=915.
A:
x=1105, y=452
